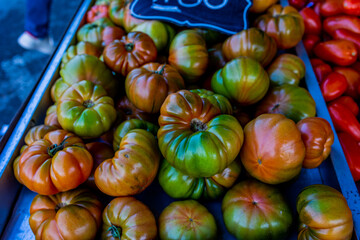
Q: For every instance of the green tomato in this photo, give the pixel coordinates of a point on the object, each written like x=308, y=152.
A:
x=243, y=80
x=86, y=110
x=292, y=101
x=216, y=99
x=92, y=32
x=161, y=33
x=178, y=185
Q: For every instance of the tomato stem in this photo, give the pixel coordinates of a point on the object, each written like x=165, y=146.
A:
x=88, y=103
x=197, y=125
x=275, y=107
x=161, y=70
x=115, y=231
x=53, y=149
x=129, y=47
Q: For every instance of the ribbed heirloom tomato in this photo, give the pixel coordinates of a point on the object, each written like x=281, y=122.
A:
x=284, y=24
x=56, y=163
x=92, y=32
x=178, y=185
x=187, y=220
x=318, y=137
x=195, y=138
x=90, y=68
x=243, y=80
x=86, y=110
x=74, y=214
x=130, y=52
x=188, y=54
x=253, y=43
x=78, y=49
x=148, y=86
x=126, y=218
x=273, y=151
x=323, y=214
x=253, y=210
x=134, y=166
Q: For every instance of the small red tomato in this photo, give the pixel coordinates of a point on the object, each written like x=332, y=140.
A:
x=310, y=41
x=340, y=52
x=321, y=69
x=349, y=103
x=333, y=86
x=312, y=21
x=97, y=12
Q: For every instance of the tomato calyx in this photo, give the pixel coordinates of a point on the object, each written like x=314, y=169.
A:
x=161, y=70
x=115, y=231
x=53, y=149
x=88, y=104
x=58, y=206
x=129, y=47
x=275, y=107
x=197, y=125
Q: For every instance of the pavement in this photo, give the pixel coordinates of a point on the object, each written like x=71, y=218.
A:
x=20, y=68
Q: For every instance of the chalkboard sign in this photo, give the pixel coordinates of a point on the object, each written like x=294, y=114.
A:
x=228, y=16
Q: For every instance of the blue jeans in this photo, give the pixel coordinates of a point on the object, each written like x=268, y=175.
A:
x=37, y=17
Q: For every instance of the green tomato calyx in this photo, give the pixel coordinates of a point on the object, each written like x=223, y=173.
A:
x=53, y=149
x=88, y=103
x=197, y=125
x=115, y=231
x=129, y=47
x=161, y=70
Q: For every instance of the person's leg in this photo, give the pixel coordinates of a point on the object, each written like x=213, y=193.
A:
x=37, y=17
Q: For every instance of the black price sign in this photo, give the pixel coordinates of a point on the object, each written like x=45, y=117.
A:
x=228, y=16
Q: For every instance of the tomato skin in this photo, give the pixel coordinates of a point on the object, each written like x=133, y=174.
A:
x=161, y=33
x=132, y=51
x=316, y=221
x=265, y=214
x=331, y=8
x=333, y=86
x=49, y=174
x=286, y=69
x=100, y=152
x=116, y=12
x=51, y=118
x=119, y=211
x=78, y=49
x=349, y=103
x=216, y=57
x=309, y=42
x=110, y=34
x=253, y=43
x=351, y=23
x=187, y=220
x=260, y=6
x=194, y=137
x=134, y=166
x=351, y=149
x=216, y=99
x=92, y=32
x=148, y=86
x=243, y=80
x=318, y=137
x=179, y=185
x=312, y=21
x=130, y=22
x=345, y=34
x=266, y=154
x=89, y=68
x=188, y=54
x=74, y=214
x=37, y=133
x=353, y=80
x=340, y=52
x=96, y=12
x=284, y=24
x=351, y=7
x=298, y=4
x=81, y=107
x=294, y=102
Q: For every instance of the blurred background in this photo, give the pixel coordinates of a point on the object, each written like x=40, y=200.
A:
x=20, y=68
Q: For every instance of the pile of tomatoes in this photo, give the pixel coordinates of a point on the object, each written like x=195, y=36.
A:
x=332, y=39
x=139, y=100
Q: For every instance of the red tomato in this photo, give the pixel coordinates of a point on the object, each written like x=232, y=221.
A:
x=310, y=41
x=340, y=52
x=97, y=12
x=333, y=86
x=349, y=103
x=353, y=79
x=312, y=21
x=321, y=69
